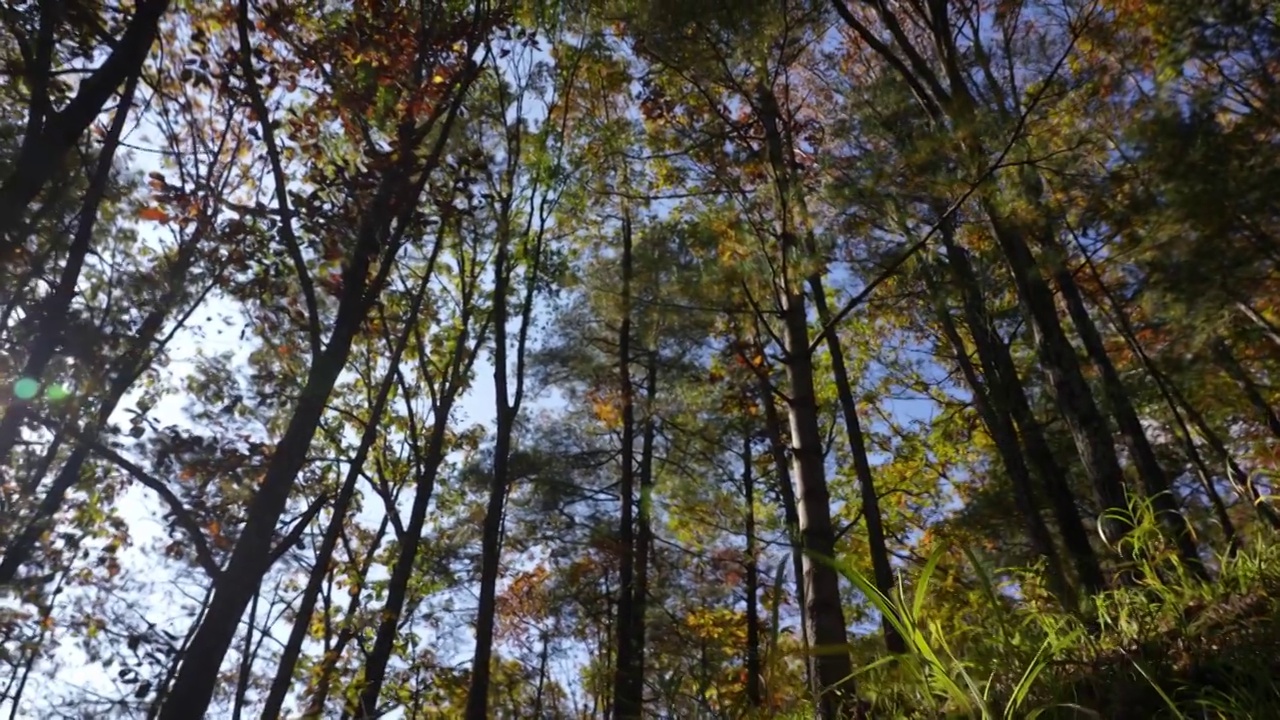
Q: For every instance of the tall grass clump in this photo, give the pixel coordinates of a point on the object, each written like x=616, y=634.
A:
x=1162, y=643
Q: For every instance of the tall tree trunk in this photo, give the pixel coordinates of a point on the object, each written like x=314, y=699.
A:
x=644, y=535
x=1236, y=371
x=1001, y=427
x=1267, y=327
x=790, y=514
x=1072, y=393
x=507, y=410
x=249, y=563
x=251, y=558
x=375, y=667
x=1120, y=320
x=1154, y=479
x=315, y=582
x=50, y=136
x=826, y=631
x=246, y=661
x=1074, y=397
x=835, y=692
x=1006, y=385
x=318, y=694
x=624, y=660
x=1236, y=475
x=750, y=566
x=871, y=515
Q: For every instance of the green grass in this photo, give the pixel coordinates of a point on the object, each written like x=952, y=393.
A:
x=1165, y=646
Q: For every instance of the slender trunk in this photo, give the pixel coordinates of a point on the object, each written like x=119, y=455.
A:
x=1154, y=479
x=1074, y=397
x=50, y=137
x=1001, y=427
x=1267, y=327
x=375, y=667
x=246, y=661
x=1006, y=387
x=871, y=515
x=491, y=535
x=251, y=559
x=283, y=679
x=1120, y=320
x=491, y=555
x=31, y=654
x=162, y=687
x=1236, y=475
x=624, y=660
x=319, y=693
x=543, y=657
x=644, y=535
x=1236, y=371
x=248, y=564
x=750, y=566
x=123, y=374
x=790, y=515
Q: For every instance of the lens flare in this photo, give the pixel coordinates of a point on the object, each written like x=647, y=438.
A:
x=26, y=388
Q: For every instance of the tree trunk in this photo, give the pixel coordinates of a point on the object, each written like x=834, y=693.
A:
x=876, y=545
x=1006, y=385
x=828, y=639
x=624, y=660
x=306, y=605
x=1236, y=475
x=379, y=657
x=251, y=559
x=1154, y=479
x=318, y=693
x=790, y=514
x=1125, y=328
x=835, y=692
x=491, y=536
x=1267, y=327
x=54, y=308
x=1058, y=358
x=1237, y=372
x=50, y=136
x=644, y=536
x=750, y=566
x=1000, y=424
x=246, y=661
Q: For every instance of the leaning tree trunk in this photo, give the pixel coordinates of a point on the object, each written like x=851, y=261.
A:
x=1155, y=481
x=1006, y=385
x=1236, y=371
x=1001, y=427
x=51, y=135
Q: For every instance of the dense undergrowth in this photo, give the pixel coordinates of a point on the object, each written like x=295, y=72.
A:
x=1165, y=645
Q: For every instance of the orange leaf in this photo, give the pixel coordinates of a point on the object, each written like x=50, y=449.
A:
x=154, y=214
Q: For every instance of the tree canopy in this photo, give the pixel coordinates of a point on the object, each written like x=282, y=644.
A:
x=567, y=360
